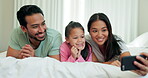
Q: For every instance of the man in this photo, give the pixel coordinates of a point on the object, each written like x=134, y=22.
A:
x=33, y=38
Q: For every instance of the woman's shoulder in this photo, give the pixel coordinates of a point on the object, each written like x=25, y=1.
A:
x=88, y=39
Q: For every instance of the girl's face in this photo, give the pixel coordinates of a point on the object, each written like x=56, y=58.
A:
x=76, y=38
x=99, y=32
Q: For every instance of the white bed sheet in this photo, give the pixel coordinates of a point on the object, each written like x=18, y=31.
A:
x=35, y=67
x=3, y=54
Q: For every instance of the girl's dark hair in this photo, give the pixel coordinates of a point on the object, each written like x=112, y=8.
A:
x=112, y=48
x=71, y=26
x=27, y=10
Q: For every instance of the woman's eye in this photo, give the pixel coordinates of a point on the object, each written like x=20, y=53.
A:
x=94, y=31
x=104, y=30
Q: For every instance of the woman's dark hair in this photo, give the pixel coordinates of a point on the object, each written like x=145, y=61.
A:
x=71, y=26
x=27, y=10
x=112, y=48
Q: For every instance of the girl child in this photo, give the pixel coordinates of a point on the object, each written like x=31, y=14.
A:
x=75, y=48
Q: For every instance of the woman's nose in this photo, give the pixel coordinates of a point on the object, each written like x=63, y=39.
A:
x=99, y=34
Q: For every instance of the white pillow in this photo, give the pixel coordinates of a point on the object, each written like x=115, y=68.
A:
x=140, y=41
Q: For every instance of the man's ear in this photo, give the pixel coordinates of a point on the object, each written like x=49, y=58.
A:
x=67, y=40
x=24, y=29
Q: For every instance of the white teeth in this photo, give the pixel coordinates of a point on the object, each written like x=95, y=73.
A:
x=100, y=39
x=41, y=35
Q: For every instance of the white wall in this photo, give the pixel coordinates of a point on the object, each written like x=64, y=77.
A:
x=6, y=22
x=0, y=23
x=143, y=17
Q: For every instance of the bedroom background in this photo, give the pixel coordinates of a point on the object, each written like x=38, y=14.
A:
x=128, y=17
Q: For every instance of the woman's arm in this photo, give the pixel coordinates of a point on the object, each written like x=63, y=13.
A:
x=125, y=54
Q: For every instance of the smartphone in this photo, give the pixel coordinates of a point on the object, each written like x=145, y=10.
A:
x=127, y=62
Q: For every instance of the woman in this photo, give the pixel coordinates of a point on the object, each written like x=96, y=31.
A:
x=107, y=47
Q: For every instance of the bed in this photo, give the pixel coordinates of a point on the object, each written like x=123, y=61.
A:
x=36, y=67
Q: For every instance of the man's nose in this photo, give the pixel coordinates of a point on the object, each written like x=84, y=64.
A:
x=41, y=29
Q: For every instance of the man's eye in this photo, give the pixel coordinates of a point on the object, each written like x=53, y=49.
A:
x=43, y=23
x=34, y=26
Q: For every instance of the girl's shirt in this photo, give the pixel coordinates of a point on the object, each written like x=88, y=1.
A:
x=65, y=54
x=98, y=53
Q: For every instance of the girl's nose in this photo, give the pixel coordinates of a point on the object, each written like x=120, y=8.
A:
x=79, y=39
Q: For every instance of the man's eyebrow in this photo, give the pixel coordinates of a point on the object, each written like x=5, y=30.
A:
x=43, y=21
x=37, y=24
x=34, y=24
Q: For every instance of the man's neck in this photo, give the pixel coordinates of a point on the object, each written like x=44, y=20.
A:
x=34, y=43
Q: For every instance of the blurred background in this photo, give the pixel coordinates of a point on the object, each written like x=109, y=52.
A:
x=129, y=18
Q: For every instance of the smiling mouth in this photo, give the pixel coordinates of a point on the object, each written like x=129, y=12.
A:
x=41, y=35
x=100, y=40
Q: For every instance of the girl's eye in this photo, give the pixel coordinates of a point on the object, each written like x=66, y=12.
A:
x=75, y=37
x=82, y=36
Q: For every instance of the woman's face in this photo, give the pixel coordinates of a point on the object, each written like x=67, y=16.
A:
x=76, y=38
x=99, y=32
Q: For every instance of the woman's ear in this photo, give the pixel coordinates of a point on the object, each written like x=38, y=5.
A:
x=67, y=40
x=24, y=29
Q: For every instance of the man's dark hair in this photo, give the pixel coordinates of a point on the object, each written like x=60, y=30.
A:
x=27, y=10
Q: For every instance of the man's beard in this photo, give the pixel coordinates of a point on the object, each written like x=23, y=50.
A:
x=33, y=37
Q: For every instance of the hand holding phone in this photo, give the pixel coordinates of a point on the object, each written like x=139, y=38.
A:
x=127, y=62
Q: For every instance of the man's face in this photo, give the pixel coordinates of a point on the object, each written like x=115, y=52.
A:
x=36, y=27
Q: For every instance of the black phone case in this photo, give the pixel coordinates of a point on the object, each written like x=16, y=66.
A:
x=127, y=63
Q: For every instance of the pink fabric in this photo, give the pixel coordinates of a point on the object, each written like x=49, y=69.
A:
x=66, y=56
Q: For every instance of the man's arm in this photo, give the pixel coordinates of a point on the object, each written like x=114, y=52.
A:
x=12, y=52
x=54, y=52
x=55, y=56
x=26, y=51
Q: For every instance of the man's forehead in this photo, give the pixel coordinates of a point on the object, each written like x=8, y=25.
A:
x=35, y=18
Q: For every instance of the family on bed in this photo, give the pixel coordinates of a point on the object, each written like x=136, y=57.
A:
x=34, y=39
